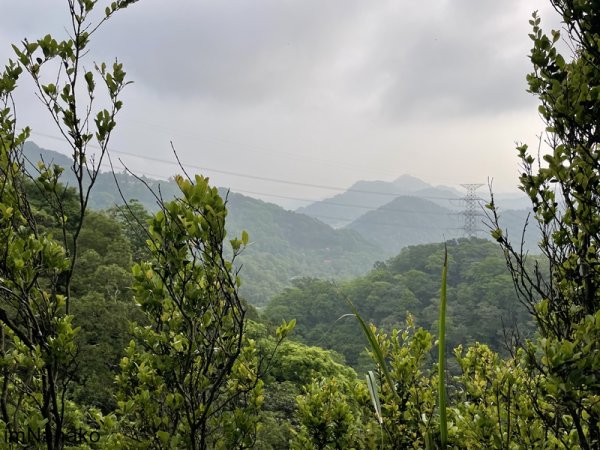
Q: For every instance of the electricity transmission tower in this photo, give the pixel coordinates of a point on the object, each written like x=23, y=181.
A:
x=472, y=211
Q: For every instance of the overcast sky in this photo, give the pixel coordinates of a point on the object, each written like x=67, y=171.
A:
x=321, y=92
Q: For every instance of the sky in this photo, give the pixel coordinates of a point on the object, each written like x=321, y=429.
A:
x=283, y=99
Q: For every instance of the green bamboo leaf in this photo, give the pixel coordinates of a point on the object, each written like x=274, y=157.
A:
x=374, y=392
x=374, y=344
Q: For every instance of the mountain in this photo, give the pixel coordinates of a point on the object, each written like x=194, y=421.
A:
x=284, y=244
x=364, y=196
x=409, y=211
x=287, y=245
x=407, y=221
x=33, y=154
x=408, y=183
x=105, y=193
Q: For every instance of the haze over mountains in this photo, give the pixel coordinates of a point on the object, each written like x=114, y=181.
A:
x=339, y=237
x=409, y=211
x=363, y=196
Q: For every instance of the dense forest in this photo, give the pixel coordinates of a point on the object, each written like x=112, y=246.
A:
x=482, y=305
x=124, y=327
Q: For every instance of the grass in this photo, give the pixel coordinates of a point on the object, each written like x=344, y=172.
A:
x=379, y=358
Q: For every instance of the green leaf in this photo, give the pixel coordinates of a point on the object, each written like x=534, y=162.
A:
x=375, y=347
x=89, y=78
x=374, y=393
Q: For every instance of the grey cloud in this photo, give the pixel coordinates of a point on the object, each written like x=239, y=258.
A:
x=469, y=58
x=453, y=57
x=235, y=51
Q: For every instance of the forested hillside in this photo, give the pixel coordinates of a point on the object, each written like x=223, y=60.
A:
x=284, y=245
x=288, y=245
x=105, y=193
x=410, y=220
x=482, y=306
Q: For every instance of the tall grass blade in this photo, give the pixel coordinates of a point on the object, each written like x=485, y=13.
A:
x=374, y=392
x=377, y=352
x=442, y=356
x=428, y=441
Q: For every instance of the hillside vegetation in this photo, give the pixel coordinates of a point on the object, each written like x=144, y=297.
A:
x=482, y=306
x=284, y=245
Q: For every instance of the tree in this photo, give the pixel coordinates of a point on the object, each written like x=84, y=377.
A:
x=192, y=378
x=293, y=366
x=331, y=417
x=563, y=293
x=38, y=352
x=485, y=309
x=492, y=406
x=134, y=219
x=341, y=410
x=102, y=308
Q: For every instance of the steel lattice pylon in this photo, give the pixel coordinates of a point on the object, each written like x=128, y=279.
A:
x=472, y=209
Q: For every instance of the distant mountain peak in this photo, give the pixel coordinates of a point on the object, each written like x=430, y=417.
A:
x=409, y=183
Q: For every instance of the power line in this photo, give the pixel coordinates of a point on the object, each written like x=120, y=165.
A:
x=471, y=198
x=259, y=148
x=330, y=203
x=253, y=177
x=368, y=208
x=347, y=220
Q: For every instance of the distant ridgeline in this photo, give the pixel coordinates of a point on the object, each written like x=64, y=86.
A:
x=409, y=211
x=105, y=193
x=344, y=237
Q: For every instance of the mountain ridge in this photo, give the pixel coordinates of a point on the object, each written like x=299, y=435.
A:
x=285, y=244
x=290, y=244
x=363, y=196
